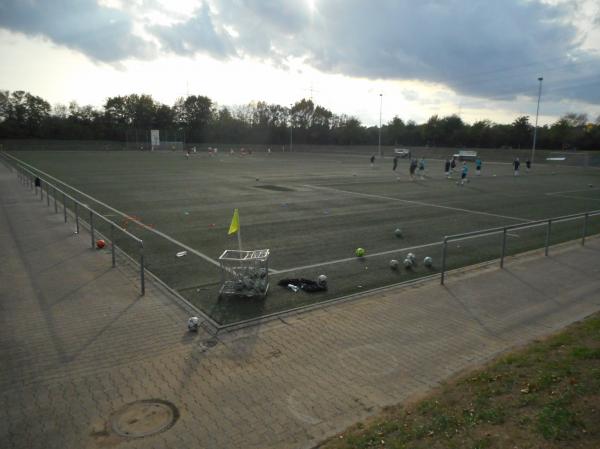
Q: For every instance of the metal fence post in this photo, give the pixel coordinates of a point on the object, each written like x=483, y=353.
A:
x=548, y=230
x=92, y=227
x=585, y=221
x=443, y=269
x=41, y=191
x=76, y=217
x=112, y=243
x=65, y=207
x=503, y=248
x=142, y=280
x=47, y=195
x=55, y=205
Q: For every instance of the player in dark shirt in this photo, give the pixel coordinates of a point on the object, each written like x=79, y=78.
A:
x=516, y=164
x=412, y=168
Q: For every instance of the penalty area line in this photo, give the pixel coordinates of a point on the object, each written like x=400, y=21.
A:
x=573, y=191
x=574, y=197
x=420, y=203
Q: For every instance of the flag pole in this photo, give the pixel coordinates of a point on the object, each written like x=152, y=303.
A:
x=235, y=227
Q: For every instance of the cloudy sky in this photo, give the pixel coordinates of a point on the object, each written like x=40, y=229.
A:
x=476, y=58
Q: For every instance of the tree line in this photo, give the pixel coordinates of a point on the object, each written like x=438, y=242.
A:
x=197, y=119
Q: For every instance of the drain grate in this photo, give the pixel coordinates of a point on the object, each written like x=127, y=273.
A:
x=144, y=418
x=275, y=188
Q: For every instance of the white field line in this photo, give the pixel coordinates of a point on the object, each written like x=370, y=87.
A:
x=512, y=235
x=573, y=191
x=124, y=215
x=573, y=197
x=420, y=203
x=348, y=259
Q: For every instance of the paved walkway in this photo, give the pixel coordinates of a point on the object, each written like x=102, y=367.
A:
x=78, y=343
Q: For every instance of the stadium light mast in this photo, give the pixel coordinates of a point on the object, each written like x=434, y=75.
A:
x=537, y=113
x=380, y=107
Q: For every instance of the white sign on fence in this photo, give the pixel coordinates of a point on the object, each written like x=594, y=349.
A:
x=155, y=137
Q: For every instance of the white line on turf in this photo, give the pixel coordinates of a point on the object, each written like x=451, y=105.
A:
x=573, y=191
x=348, y=259
x=420, y=203
x=124, y=215
x=574, y=197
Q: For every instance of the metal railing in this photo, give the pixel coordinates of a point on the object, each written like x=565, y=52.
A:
x=38, y=184
x=504, y=231
x=79, y=210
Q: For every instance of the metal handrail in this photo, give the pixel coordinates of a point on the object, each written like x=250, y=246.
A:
x=30, y=176
x=74, y=200
x=504, y=229
x=523, y=225
x=189, y=249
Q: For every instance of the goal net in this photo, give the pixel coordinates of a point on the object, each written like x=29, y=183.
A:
x=568, y=158
x=155, y=139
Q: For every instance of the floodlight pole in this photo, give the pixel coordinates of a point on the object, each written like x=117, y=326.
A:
x=537, y=112
x=380, y=107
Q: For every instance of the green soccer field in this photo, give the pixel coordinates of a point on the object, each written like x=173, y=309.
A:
x=312, y=211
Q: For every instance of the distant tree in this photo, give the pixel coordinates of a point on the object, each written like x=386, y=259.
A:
x=116, y=112
x=432, y=130
x=480, y=133
x=521, y=132
x=395, y=131
x=163, y=117
x=141, y=110
x=575, y=120
x=194, y=113
x=451, y=130
x=23, y=114
x=4, y=104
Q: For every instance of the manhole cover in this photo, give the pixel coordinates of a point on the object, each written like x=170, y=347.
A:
x=275, y=188
x=144, y=418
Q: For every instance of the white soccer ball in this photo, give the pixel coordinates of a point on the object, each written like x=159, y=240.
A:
x=398, y=232
x=411, y=256
x=193, y=323
x=322, y=280
x=394, y=264
x=408, y=263
x=428, y=262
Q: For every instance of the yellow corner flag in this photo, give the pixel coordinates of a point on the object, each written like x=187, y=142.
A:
x=235, y=223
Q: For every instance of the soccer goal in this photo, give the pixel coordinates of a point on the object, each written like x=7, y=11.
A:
x=155, y=139
x=568, y=158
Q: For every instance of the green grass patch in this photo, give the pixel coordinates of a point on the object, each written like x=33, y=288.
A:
x=545, y=395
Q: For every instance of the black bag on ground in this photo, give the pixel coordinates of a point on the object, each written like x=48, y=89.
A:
x=307, y=285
